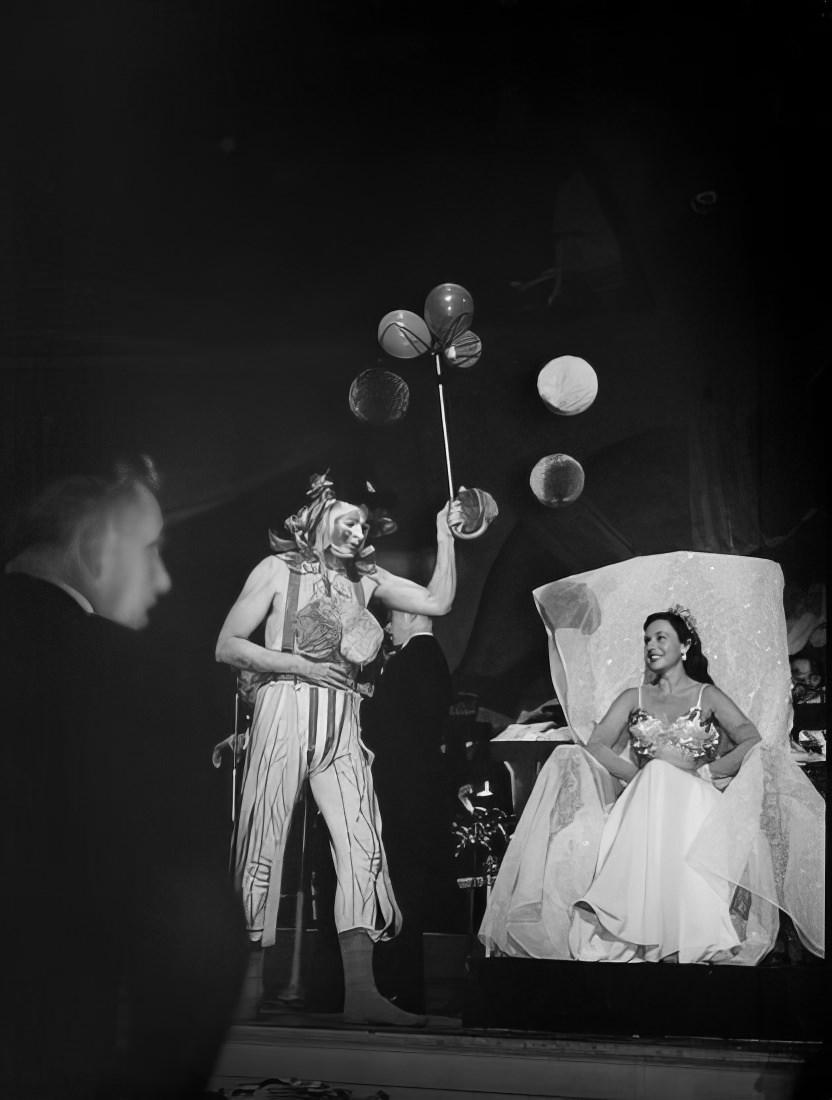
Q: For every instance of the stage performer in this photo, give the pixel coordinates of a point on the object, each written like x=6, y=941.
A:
x=312, y=595
x=688, y=738
x=664, y=749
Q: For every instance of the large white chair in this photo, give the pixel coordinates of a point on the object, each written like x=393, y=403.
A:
x=767, y=836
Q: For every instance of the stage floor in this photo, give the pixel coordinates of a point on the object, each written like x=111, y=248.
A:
x=498, y=1048
x=441, y=1061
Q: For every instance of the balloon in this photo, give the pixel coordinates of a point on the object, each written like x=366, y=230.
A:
x=557, y=480
x=465, y=351
x=567, y=385
x=479, y=510
x=404, y=334
x=449, y=310
x=379, y=396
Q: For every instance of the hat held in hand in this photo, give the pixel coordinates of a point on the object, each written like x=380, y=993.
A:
x=476, y=509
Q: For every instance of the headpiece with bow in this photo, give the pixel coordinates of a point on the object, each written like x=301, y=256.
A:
x=309, y=527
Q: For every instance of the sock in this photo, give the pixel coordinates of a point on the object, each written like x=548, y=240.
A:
x=362, y=1001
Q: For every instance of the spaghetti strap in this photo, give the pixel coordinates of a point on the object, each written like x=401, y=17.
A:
x=699, y=700
x=639, y=697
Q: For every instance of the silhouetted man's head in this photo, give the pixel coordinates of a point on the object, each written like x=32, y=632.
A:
x=102, y=537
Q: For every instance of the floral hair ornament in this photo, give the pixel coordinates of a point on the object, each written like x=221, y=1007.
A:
x=306, y=524
x=684, y=614
x=309, y=528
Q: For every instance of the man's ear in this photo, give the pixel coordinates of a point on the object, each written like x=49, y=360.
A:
x=92, y=548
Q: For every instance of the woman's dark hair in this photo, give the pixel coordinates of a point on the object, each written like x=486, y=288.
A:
x=696, y=663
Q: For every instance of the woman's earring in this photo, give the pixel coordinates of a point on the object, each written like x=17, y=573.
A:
x=685, y=655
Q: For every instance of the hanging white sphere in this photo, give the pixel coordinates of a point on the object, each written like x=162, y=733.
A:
x=567, y=385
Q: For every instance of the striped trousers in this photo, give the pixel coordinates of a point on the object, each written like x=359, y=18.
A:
x=300, y=730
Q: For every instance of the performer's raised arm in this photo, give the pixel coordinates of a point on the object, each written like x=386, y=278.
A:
x=437, y=598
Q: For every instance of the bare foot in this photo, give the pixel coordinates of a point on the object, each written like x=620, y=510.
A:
x=372, y=1008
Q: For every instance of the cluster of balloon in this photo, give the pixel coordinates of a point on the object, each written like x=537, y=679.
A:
x=445, y=332
x=567, y=386
x=379, y=397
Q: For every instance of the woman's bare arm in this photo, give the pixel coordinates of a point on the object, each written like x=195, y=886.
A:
x=741, y=732
x=610, y=734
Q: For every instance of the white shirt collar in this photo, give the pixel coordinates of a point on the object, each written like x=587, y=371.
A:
x=79, y=597
x=418, y=634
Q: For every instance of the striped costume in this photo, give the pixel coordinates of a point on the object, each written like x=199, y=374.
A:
x=298, y=730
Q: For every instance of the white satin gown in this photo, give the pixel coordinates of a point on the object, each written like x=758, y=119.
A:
x=646, y=902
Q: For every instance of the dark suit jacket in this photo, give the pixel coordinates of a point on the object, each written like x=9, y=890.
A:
x=103, y=881
x=404, y=724
x=404, y=721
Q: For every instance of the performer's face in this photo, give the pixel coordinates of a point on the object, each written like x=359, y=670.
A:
x=348, y=533
x=662, y=648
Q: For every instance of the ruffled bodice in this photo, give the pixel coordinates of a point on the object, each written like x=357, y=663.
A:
x=688, y=733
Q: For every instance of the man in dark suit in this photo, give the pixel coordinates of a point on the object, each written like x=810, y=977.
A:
x=122, y=952
x=404, y=724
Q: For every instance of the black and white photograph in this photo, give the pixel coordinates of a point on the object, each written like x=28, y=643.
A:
x=414, y=540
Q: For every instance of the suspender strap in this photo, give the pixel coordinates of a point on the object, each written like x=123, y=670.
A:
x=359, y=592
x=291, y=612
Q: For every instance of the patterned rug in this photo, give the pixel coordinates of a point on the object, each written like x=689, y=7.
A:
x=292, y=1088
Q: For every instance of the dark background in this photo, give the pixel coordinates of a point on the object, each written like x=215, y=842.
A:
x=206, y=208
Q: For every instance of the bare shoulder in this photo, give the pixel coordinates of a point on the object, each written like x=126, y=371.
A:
x=712, y=696
x=623, y=704
x=725, y=709
x=380, y=582
x=272, y=566
x=267, y=574
x=628, y=699
x=370, y=582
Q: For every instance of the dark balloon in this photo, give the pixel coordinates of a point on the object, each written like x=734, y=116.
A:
x=449, y=311
x=557, y=480
x=465, y=351
x=404, y=334
x=379, y=396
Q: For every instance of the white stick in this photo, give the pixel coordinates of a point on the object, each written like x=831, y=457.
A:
x=451, y=493
x=234, y=760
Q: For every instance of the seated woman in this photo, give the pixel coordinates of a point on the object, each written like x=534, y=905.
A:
x=645, y=903
x=677, y=826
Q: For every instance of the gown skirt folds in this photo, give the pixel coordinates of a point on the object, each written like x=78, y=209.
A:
x=646, y=902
